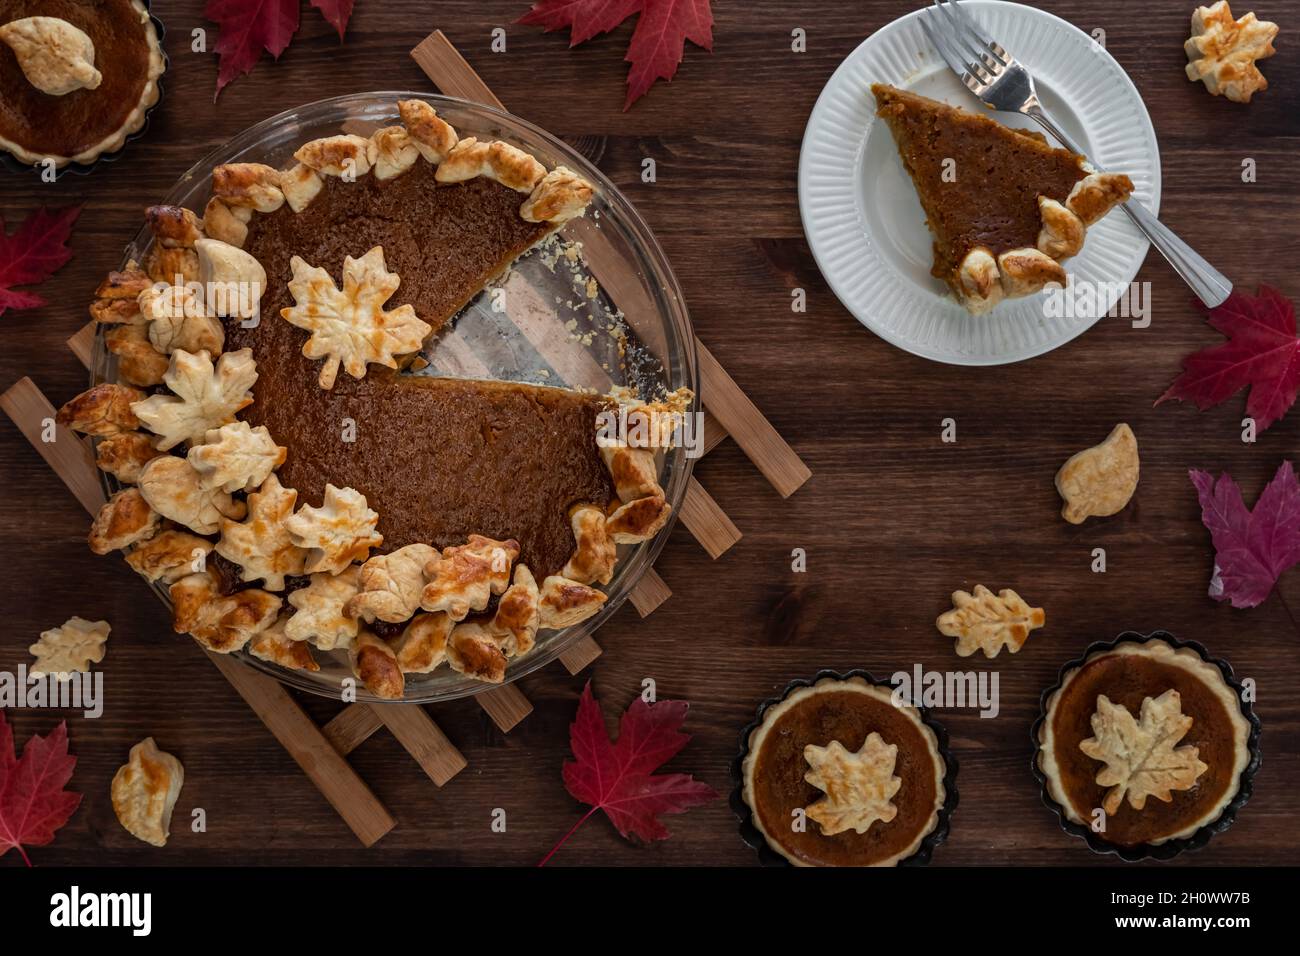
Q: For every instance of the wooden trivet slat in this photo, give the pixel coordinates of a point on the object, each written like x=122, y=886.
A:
x=506, y=705
x=423, y=740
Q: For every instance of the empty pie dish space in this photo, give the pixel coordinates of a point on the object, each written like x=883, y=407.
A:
x=865, y=225
x=539, y=332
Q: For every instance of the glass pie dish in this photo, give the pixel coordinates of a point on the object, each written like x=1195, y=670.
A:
x=602, y=308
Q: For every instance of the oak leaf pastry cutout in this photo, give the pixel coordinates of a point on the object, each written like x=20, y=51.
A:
x=422, y=645
x=169, y=556
x=55, y=56
x=124, y=455
x=563, y=603
x=472, y=650
x=178, y=319
x=236, y=457
x=350, y=327
x=72, y=646
x=122, y=521
x=988, y=622
x=175, y=490
x=859, y=787
x=221, y=623
x=318, y=607
x=274, y=646
x=464, y=577
x=101, y=411
x=375, y=665
x=595, y=553
x=204, y=396
x=144, y=792
x=1222, y=52
x=518, y=614
x=1100, y=480
x=1140, y=755
x=340, y=531
x=261, y=544
x=392, y=584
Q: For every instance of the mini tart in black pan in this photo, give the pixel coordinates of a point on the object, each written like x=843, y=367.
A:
x=834, y=773
x=1162, y=763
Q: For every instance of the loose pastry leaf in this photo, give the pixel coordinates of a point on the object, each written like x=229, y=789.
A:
x=1140, y=755
x=33, y=801
x=33, y=253
x=1251, y=548
x=619, y=778
x=1262, y=352
x=988, y=622
x=859, y=786
x=72, y=646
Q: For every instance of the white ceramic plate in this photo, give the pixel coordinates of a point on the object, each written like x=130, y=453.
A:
x=866, y=227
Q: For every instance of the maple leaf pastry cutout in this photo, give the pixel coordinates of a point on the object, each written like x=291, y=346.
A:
x=340, y=531
x=350, y=327
x=319, y=610
x=859, y=787
x=988, y=622
x=1222, y=51
x=1140, y=755
x=204, y=396
x=72, y=646
x=172, y=488
x=236, y=457
x=144, y=792
x=261, y=545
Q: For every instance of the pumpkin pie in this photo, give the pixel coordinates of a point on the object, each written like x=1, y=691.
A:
x=1005, y=207
x=1142, y=743
x=76, y=78
x=837, y=774
x=268, y=405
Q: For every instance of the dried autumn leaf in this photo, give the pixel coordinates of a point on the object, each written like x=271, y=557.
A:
x=584, y=18
x=1262, y=353
x=32, y=254
x=1251, y=548
x=859, y=786
x=1140, y=757
x=619, y=778
x=33, y=801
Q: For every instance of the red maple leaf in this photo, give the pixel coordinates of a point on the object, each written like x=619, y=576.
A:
x=248, y=27
x=33, y=803
x=1262, y=352
x=35, y=251
x=1251, y=547
x=619, y=777
x=658, y=43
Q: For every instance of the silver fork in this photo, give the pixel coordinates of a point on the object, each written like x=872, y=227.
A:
x=1001, y=81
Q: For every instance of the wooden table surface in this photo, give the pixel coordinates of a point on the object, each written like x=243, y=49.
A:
x=892, y=520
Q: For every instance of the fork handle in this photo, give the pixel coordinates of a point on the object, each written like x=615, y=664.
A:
x=1210, y=285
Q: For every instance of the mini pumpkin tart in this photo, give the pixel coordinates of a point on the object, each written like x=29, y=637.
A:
x=1146, y=747
x=76, y=78
x=459, y=517
x=834, y=773
x=1004, y=206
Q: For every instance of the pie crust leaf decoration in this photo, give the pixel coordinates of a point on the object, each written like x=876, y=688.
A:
x=375, y=665
x=859, y=787
x=464, y=577
x=144, y=792
x=422, y=645
x=178, y=319
x=563, y=603
x=261, y=545
x=473, y=650
x=138, y=361
x=1251, y=548
x=72, y=646
x=1141, y=756
x=169, y=556
x=350, y=327
x=124, y=520
x=560, y=196
x=1100, y=480
x=221, y=623
x=232, y=280
x=619, y=778
x=340, y=531
x=236, y=457
x=988, y=622
x=1222, y=51
x=274, y=646
x=432, y=136
x=102, y=411
x=318, y=607
x=33, y=803
x=172, y=487
x=55, y=56
x=518, y=614
x=1262, y=352
x=392, y=584
x=124, y=455
x=596, y=554
x=32, y=254
x=204, y=396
